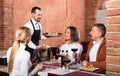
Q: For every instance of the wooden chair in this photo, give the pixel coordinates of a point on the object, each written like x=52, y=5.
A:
x=85, y=47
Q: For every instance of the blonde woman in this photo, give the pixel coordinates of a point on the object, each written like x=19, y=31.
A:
x=18, y=58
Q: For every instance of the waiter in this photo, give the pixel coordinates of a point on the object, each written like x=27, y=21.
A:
x=36, y=29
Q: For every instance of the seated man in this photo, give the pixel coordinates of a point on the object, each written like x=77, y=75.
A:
x=96, y=52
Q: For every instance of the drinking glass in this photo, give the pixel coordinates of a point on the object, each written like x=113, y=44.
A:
x=66, y=62
x=74, y=51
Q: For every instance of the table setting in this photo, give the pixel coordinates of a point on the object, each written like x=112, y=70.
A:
x=54, y=65
x=54, y=68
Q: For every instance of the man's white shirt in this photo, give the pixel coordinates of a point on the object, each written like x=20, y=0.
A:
x=94, y=50
x=37, y=26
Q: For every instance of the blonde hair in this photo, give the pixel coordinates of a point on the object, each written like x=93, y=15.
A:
x=22, y=34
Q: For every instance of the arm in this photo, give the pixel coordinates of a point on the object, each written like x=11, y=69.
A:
x=43, y=37
x=25, y=66
x=36, y=69
x=100, y=64
x=33, y=72
x=32, y=45
x=101, y=57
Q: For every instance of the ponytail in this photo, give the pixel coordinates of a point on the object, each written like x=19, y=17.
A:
x=15, y=47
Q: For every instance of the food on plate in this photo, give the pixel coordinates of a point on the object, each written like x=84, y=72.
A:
x=90, y=68
x=52, y=33
x=43, y=46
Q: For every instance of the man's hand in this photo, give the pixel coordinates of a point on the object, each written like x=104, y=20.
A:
x=84, y=63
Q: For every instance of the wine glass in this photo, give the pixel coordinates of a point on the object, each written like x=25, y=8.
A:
x=66, y=62
x=74, y=51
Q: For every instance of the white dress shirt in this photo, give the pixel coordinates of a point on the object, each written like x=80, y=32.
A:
x=94, y=50
x=22, y=63
x=36, y=25
x=68, y=47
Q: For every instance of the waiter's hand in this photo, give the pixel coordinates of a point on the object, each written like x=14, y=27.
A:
x=37, y=49
x=41, y=49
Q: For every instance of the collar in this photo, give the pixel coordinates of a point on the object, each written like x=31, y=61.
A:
x=98, y=41
x=34, y=21
x=22, y=46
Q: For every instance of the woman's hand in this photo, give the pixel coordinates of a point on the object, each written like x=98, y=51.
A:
x=39, y=66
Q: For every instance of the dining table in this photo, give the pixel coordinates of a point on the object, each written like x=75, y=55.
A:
x=52, y=66
x=54, y=69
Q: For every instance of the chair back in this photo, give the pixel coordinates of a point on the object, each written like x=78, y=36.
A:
x=3, y=73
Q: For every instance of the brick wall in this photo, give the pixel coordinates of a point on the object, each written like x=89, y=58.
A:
x=90, y=16
x=78, y=20
x=12, y=19
x=113, y=26
x=6, y=36
x=1, y=26
x=91, y=8
x=54, y=17
x=113, y=38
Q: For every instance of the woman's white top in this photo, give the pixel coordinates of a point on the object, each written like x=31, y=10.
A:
x=68, y=47
x=22, y=63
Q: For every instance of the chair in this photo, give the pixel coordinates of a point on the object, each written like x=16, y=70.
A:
x=85, y=47
x=3, y=58
x=53, y=51
x=3, y=73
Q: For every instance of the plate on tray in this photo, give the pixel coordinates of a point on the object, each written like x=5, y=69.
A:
x=52, y=34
